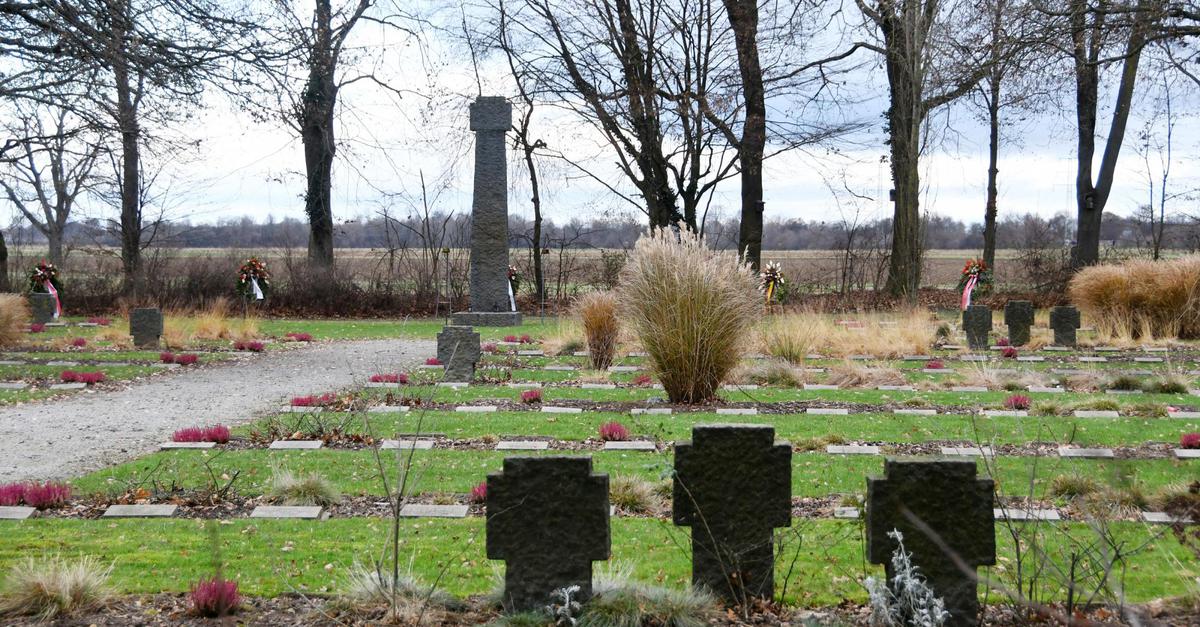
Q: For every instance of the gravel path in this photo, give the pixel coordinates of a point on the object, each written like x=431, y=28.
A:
x=91, y=430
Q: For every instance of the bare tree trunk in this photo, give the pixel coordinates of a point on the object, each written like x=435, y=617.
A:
x=316, y=131
x=1090, y=197
x=743, y=18
x=127, y=122
x=536, y=200
x=904, y=125
x=5, y=280
x=989, y=212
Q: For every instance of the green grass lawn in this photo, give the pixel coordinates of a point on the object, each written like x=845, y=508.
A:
x=874, y=427
x=456, y=471
x=820, y=563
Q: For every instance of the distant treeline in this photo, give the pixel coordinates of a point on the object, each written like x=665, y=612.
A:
x=1013, y=231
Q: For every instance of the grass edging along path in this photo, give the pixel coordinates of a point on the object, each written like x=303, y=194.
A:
x=272, y=557
x=453, y=471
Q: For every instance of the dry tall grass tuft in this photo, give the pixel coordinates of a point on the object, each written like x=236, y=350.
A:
x=14, y=318
x=691, y=308
x=1141, y=299
x=850, y=375
x=181, y=327
x=566, y=338
x=53, y=587
x=598, y=313
x=793, y=336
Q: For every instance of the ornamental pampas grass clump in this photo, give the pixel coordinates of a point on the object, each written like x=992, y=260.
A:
x=692, y=309
x=598, y=313
x=1141, y=299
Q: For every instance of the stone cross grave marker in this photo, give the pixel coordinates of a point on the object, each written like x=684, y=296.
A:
x=41, y=307
x=1018, y=315
x=733, y=488
x=491, y=118
x=146, y=326
x=547, y=518
x=944, y=512
x=458, y=349
x=977, y=323
x=1065, y=321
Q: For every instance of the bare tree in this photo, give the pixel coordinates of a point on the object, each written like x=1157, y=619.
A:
x=635, y=70
x=52, y=171
x=926, y=69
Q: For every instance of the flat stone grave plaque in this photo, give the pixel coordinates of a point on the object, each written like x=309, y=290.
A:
x=1148, y=360
x=580, y=353
x=624, y=368
x=968, y=451
x=1085, y=413
x=8, y=512
x=422, y=510
x=639, y=354
x=1163, y=518
x=381, y=384
x=476, y=409
x=916, y=358
x=87, y=324
x=1187, y=453
x=598, y=386
x=968, y=388
x=851, y=449
x=531, y=353
x=662, y=411
x=1005, y=413
x=1087, y=359
x=296, y=409
x=814, y=370
x=738, y=387
x=631, y=445
x=12, y=362
x=68, y=386
x=974, y=358
x=306, y=512
x=549, y=409
x=814, y=356
x=896, y=388
x=1067, y=371
x=13, y=385
x=388, y=409
x=737, y=411
x=290, y=445
x=937, y=370
x=62, y=363
x=407, y=445
x=525, y=384
x=951, y=347
x=1107, y=349
x=1122, y=392
x=827, y=411
x=845, y=513
x=430, y=367
x=915, y=412
x=560, y=368
x=1057, y=349
x=523, y=445
x=457, y=385
x=1041, y=389
x=1085, y=453
x=861, y=357
x=502, y=343
x=1184, y=414
x=1010, y=513
x=166, y=446
x=139, y=511
x=819, y=386
x=166, y=366
x=1139, y=373
x=1035, y=358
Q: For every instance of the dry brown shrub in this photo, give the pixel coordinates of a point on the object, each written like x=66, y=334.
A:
x=692, y=309
x=793, y=336
x=14, y=320
x=597, y=312
x=1141, y=299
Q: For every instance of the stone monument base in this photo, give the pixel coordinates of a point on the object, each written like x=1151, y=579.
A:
x=486, y=318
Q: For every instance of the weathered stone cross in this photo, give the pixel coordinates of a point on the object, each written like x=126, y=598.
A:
x=945, y=515
x=547, y=518
x=733, y=487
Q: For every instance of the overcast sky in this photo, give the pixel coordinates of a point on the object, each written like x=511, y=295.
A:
x=249, y=168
